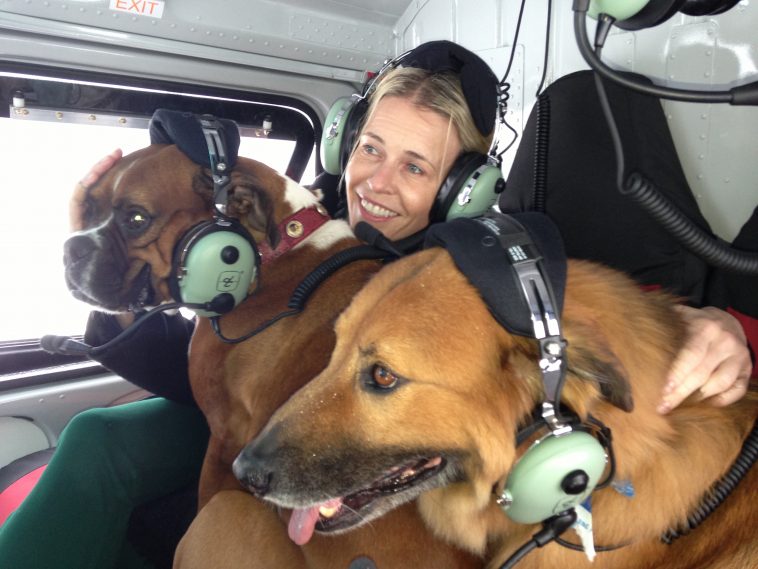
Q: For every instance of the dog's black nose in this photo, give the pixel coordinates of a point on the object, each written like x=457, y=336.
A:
x=78, y=247
x=255, y=479
x=254, y=466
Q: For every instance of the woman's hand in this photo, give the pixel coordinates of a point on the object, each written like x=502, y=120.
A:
x=76, y=204
x=715, y=360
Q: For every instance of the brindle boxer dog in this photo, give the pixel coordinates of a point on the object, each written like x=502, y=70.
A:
x=425, y=392
x=126, y=226
x=121, y=258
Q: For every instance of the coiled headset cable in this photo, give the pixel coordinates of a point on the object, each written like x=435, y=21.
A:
x=714, y=251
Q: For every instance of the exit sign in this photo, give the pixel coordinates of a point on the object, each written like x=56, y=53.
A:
x=151, y=8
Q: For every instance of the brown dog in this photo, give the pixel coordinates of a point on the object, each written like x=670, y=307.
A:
x=121, y=258
x=240, y=385
x=128, y=224
x=425, y=392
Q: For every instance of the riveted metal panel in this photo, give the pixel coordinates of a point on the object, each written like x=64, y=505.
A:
x=717, y=144
x=248, y=26
x=242, y=44
x=343, y=35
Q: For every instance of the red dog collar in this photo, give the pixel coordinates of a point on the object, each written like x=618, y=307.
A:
x=293, y=230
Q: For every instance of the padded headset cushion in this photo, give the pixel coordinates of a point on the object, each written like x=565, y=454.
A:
x=184, y=130
x=618, y=9
x=353, y=123
x=479, y=83
x=331, y=140
x=534, y=485
x=489, y=269
x=337, y=142
x=459, y=172
x=707, y=7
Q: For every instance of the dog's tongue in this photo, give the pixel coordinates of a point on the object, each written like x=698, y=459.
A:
x=302, y=523
x=303, y=520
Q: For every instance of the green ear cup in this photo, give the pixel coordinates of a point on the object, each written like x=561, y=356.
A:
x=334, y=133
x=220, y=262
x=478, y=194
x=619, y=9
x=540, y=484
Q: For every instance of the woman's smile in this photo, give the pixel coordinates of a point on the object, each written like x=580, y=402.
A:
x=372, y=209
x=393, y=176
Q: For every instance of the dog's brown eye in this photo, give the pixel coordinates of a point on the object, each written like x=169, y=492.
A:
x=137, y=220
x=383, y=377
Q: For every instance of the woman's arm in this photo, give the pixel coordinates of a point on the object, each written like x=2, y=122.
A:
x=155, y=358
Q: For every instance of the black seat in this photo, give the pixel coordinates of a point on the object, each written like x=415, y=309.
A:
x=565, y=166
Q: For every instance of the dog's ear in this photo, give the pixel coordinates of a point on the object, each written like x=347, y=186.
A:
x=590, y=357
x=254, y=209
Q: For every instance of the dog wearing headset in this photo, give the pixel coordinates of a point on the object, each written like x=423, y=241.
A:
x=157, y=203
x=150, y=232
x=147, y=231
x=239, y=386
x=138, y=228
x=426, y=391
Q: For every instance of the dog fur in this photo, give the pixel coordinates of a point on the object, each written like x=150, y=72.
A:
x=126, y=226
x=239, y=386
x=121, y=258
x=422, y=373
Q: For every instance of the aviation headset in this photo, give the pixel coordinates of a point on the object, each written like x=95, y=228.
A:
x=216, y=260
x=634, y=15
x=638, y=14
x=473, y=182
x=517, y=264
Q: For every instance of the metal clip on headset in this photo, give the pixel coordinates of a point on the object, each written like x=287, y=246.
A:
x=218, y=159
x=547, y=331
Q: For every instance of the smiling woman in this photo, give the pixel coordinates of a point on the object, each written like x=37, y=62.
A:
x=415, y=152
x=395, y=152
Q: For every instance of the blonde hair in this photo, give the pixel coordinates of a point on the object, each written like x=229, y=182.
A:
x=438, y=92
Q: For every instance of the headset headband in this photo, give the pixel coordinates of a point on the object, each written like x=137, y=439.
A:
x=204, y=139
x=480, y=85
x=217, y=155
x=518, y=265
x=185, y=130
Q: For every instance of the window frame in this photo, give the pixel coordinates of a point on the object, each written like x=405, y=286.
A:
x=23, y=363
